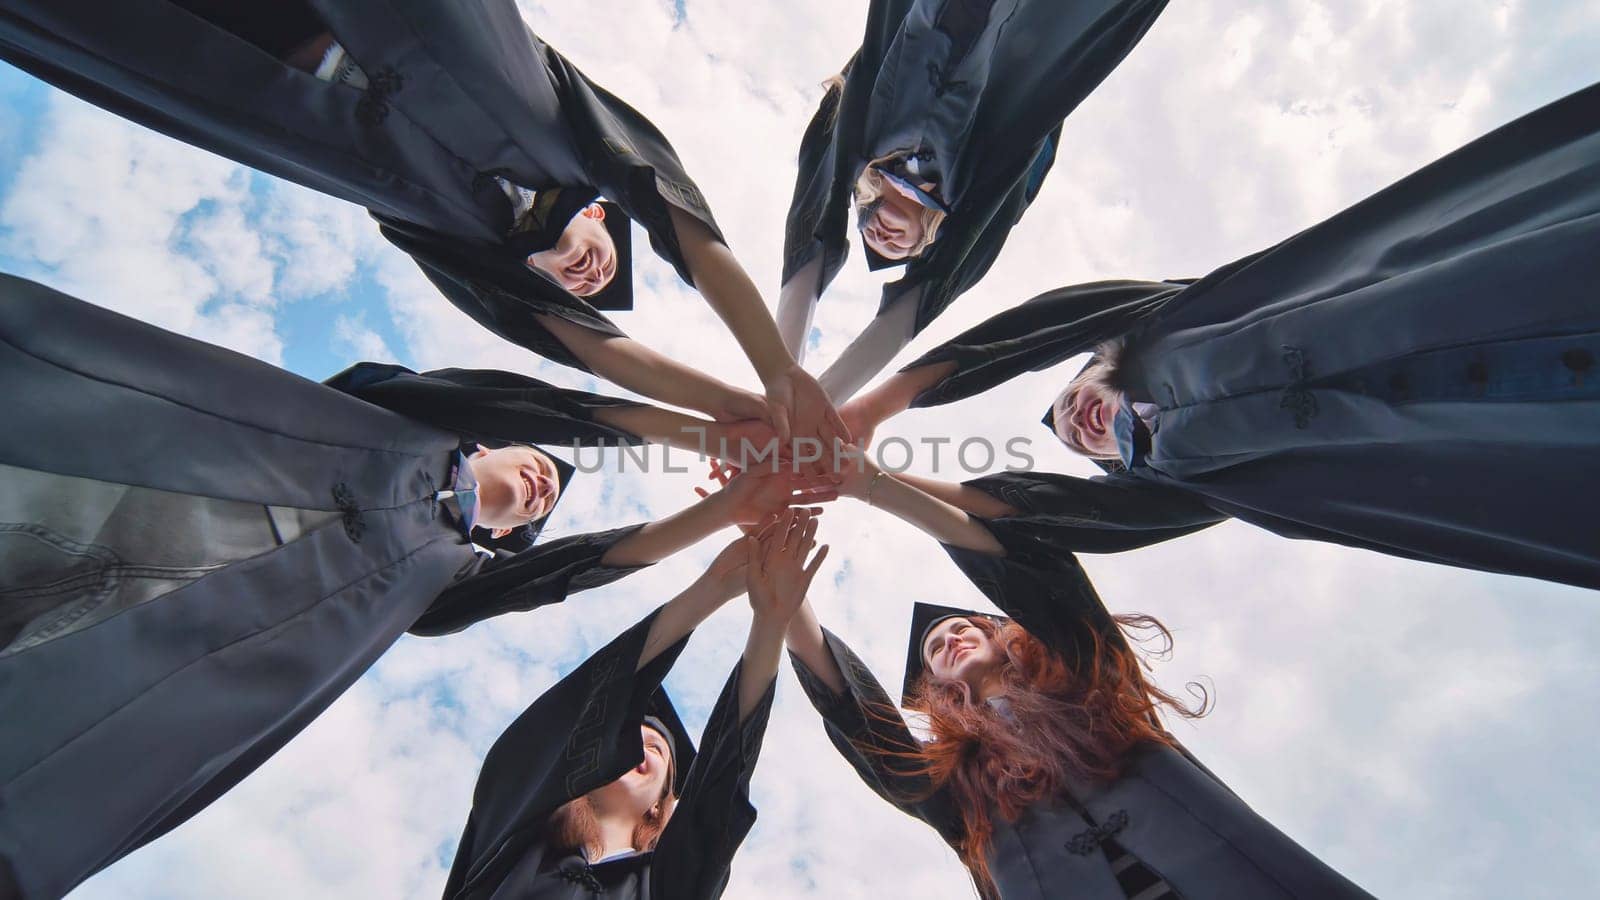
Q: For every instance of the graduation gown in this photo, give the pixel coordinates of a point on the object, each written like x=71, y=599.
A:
x=978, y=89
x=584, y=733
x=461, y=92
x=1166, y=809
x=224, y=548
x=1416, y=375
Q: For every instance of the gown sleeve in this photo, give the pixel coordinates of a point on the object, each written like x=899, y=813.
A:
x=543, y=574
x=486, y=404
x=1040, y=333
x=580, y=734
x=693, y=859
x=629, y=160
x=1043, y=588
x=1105, y=514
x=497, y=290
x=970, y=240
x=867, y=730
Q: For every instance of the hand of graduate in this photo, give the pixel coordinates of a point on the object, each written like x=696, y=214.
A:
x=777, y=574
x=726, y=577
x=862, y=419
x=854, y=474
x=744, y=443
x=754, y=497
x=799, y=408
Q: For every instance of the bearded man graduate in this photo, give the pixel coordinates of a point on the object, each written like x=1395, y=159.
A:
x=480, y=150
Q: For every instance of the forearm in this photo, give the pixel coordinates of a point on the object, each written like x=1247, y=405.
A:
x=963, y=497
x=940, y=520
x=876, y=346
x=626, y=362
x=681, y=615
x=759, y=665
x=660, y=539
x=805, y=641
x=731, y=294
x=663, y=426
x=797, y=305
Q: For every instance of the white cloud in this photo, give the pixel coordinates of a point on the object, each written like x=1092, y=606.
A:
x=1419, y=728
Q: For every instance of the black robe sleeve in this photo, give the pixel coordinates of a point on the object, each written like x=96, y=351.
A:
x=486, y=405
x=579, y=735
x=1041, y=587
x=497, y=290
x=693, y=859
x=543, y=574
x=970, y=240
x=830, y=153
x=1105, y=514
x=1040, y=333
x=629, y=160
x=868, y=731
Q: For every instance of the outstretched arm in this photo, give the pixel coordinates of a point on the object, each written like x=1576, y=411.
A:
x=723, y=580
x=944, y=522
x=752, y=498
x=777, y=576
x=869, y=410
x=630, y=364
x=798, y=407
x=875, y=347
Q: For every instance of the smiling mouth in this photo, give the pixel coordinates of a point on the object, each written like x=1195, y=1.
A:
x=1091, y=420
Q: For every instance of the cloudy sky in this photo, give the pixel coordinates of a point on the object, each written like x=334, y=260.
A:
x=1421, y=729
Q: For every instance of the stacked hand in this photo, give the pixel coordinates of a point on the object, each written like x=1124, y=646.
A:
x=799, y=409
x=755, y=497
x=776, y=572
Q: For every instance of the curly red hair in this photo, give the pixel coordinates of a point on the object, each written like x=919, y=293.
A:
x=1062, y=723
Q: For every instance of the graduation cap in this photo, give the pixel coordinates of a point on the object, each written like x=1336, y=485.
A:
x=661, y=716
x=523, y=537
x=550, y=216
x=923, y=617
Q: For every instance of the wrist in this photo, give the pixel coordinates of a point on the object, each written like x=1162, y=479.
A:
x=775, y=368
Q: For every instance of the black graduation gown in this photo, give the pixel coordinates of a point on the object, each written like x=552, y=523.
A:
x=581, y=734
x=1416, y=375
x=135, y=693
x=461, y=92
x=979, y=86
x=1166, y=809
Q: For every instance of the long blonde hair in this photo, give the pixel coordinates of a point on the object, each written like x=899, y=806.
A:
x=871, y=186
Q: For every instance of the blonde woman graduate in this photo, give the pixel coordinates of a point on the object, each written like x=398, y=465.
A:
x=931, y=145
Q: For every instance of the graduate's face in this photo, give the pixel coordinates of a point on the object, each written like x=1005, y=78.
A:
x=957, y=650
x=1084, y=415
x=895, y=227
x=516, y=485
x=640, y=789
x=584, y=260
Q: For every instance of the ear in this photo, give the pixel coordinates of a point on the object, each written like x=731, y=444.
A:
x=499, y=533
x=481, y=451
x=595, y=211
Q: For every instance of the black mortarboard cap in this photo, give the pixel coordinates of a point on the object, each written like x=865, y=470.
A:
x=923, y=617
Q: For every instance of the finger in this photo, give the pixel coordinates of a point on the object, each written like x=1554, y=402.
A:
x=702, y=492
x=765, y=529
x=838, y=424
x=780, y=422
x=810, y=530
x=810, y=571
